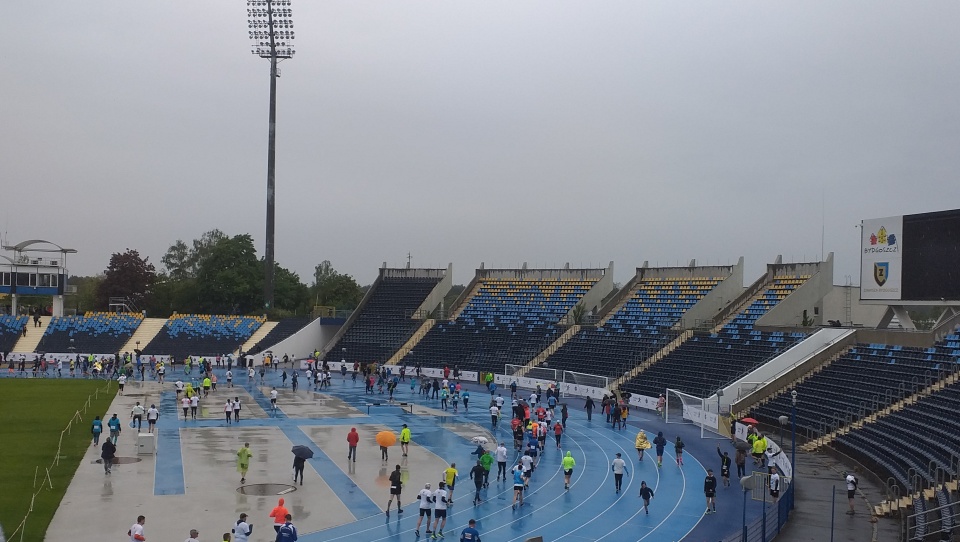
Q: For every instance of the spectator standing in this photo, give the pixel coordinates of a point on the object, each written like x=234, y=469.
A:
x=774, y=484
x=724, y=466
x=589, y=405
x=852, y=484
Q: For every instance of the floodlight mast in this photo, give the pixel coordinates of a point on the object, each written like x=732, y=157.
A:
x=270, y=26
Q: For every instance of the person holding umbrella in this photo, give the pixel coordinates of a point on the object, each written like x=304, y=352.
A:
x=300, y=456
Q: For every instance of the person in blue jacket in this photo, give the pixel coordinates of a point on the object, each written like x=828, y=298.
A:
x=287, y=532
x=114, y=425
x=96, y=429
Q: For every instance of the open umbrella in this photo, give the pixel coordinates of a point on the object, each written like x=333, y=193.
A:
x=749, y=421
x=743, y=445
x=301, y=451
x=386, y=438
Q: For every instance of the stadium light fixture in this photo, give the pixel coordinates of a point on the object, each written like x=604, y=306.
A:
x=270, y=27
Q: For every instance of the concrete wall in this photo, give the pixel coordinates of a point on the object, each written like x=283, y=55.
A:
x=834, y=308
x=440, y=291
x=598, y=292
x=798, y=360
x=713, y=303
x=302, y=343
x=809, y=296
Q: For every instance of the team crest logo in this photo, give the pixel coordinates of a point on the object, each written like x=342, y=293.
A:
x=880, y=272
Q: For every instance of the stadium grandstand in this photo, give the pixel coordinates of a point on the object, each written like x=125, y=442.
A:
x=202, y=335
x=11, y=329
x=644, y=318
x=101, y=332
x=283, y=329
x=394, y=307
x=508, y=317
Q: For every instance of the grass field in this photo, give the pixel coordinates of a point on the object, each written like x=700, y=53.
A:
x=33, y=412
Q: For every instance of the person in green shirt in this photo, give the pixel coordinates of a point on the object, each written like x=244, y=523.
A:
x=568, y=464
x=405, y=440
x=206, y=385
x=243, y=461
x=487, y=461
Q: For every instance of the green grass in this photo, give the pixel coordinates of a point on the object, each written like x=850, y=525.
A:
x=33, y=412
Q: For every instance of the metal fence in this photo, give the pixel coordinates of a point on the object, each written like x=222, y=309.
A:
x=767, y=526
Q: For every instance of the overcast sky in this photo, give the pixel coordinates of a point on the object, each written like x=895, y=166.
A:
x=498, y=131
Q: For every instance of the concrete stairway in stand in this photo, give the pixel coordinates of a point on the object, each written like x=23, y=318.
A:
x=550, y=350
x=259, y=334
x=145, y=333
x=411, y=342
x=662, y=353
x=29, y=342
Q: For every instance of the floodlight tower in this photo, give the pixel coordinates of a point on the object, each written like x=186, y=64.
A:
x=270, y=25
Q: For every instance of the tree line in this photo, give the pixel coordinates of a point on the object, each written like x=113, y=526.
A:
x=214, y=274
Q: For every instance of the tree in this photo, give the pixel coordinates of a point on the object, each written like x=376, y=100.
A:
x=176, y=261
x=128, y=276
x=334, y=289
x=86, y=296
x=289, y=294
x=230, y=277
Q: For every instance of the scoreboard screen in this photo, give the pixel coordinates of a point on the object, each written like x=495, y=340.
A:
x=911, y=258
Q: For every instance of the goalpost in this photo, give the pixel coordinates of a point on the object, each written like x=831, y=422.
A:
x=684, y=408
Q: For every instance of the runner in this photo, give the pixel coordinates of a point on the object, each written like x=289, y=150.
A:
x=236, y=410
x=568, y=463
x=641, y=443
x=152, y=416
x=678, y=446
x=229, y=376
x=228, y=410
x=396, y=485
x=136, y=531
x=426, y=500
x=243, y=461
x=241, y=529
x=526, y=461
x=450, y=477
x=660, y=442
x=96, y=429
x=114, y=425
x=487, y=461
x=405, y=440
x=494, y=416
x=470, y=534
x=121, y=380
x=501, y=456
x=194, y=405
x=440, y=503
x=518, y=485
x=353, y=438
x=136, y=414
x=646, y=494
x=557, y=433
x=619, y=466
x=476, y=474
x=273, y=399
x=710, y=491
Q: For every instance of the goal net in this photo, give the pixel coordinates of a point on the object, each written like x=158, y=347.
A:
x=689, y=409
x=583, y=379
x=534, y=373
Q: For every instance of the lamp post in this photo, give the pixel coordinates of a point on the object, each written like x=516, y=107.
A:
x=270, y=27
x=793, y=447
x=745, y=485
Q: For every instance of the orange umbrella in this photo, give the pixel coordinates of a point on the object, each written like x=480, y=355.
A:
x=386, y=438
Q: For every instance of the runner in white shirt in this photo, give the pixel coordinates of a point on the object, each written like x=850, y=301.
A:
x=152, y=416
x=426, y=500
x=229, y=376
x=500, y=401
x=185, y=405
x=494, y=416
x=121, y=380
x=501, y=457
x=251, y=373
x=136, y=414
x=273, y=399
x=194, y=404
x=439, y=510
x=179, y=387
x=136, y=531
x=527, y=462
x=533, y=399
x=228, y=410
x=236, y=409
